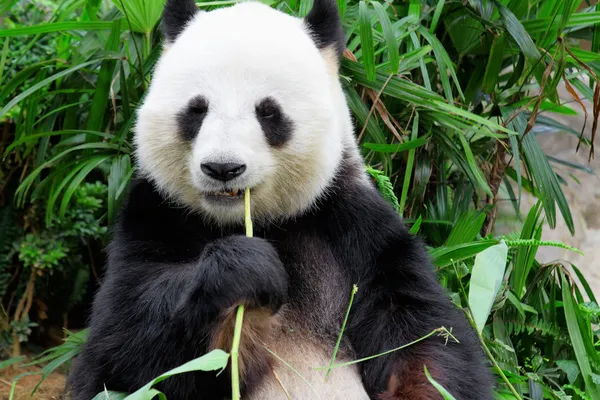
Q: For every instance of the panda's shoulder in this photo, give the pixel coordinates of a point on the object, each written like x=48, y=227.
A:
x=155, y=226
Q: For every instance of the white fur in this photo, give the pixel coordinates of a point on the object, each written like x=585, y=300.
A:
x=235, y=57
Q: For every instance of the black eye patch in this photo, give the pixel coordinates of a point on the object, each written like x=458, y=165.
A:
x=189, y=120
x=275, y=124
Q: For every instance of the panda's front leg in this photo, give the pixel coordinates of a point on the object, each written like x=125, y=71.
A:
x=402, y=303
x=151, y=317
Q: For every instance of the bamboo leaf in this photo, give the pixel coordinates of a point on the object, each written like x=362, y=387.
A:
x=42, y=84
x=494, y=65
x=103, y=84
x=390, y=37
x=366, y=40
x=58, y=27
x=583, y=359
x=215, y=360
x=517, y=31
x=397, y=148
x=89, y=165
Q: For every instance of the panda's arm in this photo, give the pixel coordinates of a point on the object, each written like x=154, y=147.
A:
x=150, y=317
x=402, y=303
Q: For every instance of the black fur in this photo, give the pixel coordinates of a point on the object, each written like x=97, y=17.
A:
x=176, y=15
x=170, y=274
x=191, y=117
x=275, y=124
x=325, y=25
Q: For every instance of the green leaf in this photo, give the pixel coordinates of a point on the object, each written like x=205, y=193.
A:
x=445, y=256
x=142, y=14
x=532, y=229
x=42, y=84
x=583, y=359
x=486, y=280
x=466, y=228
x=385, y=186
x=416, y=45
x=570, y=367
x=89, y=165
x=414, y=229
x=389, y=35
x=366, y=41
x=445, y=65
x=409, y=164
x=215, y=360
x=436, y=15
x=494, y=65
x=110, y=395
x=119, y=175
x=98, y=109
x=445, y=394
x=517, y=31
x=397, y=148
x=11, y=361
x=57, y=27
x=470, y=158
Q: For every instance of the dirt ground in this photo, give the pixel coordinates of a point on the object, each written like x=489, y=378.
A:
x=51, y=388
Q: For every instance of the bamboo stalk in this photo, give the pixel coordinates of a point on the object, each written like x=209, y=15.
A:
x=239, y=318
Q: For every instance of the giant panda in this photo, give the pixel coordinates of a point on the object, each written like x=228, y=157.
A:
x=249, y=97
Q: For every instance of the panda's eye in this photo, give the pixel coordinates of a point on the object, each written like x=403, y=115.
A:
x=190, y=118
x=267, y=109
x=275, y=124
x=198, y=106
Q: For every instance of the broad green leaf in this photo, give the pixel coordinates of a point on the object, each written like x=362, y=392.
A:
x=486, y=280
x=215, y=360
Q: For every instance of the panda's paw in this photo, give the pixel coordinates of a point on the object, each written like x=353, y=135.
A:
x=242, y=270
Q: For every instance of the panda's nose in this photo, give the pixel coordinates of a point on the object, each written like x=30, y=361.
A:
x=223, y=171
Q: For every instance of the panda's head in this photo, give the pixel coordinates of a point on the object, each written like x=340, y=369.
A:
x=245, y=96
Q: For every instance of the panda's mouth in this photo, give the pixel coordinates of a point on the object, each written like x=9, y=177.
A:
x=227, y=194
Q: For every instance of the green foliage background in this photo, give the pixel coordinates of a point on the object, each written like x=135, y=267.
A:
x=446, y=97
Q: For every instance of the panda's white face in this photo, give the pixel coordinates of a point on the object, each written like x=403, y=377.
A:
x=243, y=98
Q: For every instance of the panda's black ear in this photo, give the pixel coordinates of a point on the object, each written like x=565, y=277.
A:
x=176, y=15
x=325, y=25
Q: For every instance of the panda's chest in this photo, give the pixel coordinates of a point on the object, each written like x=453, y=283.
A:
x=308, y=328
x=294, y=374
